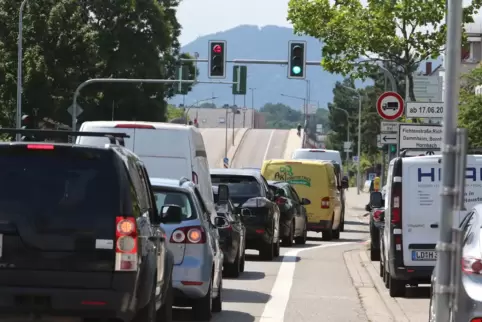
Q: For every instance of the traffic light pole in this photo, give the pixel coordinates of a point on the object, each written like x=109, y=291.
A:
x=133, y=81
x=393, y=82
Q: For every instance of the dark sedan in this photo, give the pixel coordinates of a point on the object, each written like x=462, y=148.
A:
x=253, y=199
x=232, y=239
x=292, y=213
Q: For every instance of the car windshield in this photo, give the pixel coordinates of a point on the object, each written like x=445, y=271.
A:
x=165, y=197
x=239, y=186
x=58, y=186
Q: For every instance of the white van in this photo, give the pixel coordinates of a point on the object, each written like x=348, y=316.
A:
x=168, y=150
x=317, y=154
x=412, y=215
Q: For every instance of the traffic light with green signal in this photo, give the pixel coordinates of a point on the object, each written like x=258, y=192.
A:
x=217, y=59
x=393, y=148
x=297, y=60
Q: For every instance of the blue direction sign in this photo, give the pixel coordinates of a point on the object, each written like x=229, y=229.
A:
x=226, y=162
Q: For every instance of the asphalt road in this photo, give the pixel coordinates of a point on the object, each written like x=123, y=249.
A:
x=215, y=142
x=259, y=145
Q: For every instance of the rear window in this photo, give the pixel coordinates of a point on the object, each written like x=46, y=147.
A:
x=316, y=155
x=165, y=197
x=239, y=186
x=58, y=186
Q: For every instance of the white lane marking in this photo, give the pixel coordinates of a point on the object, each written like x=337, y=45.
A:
x=274, y=310
x=269, y=143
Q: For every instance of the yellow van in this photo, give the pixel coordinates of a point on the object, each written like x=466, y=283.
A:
x=316, y=181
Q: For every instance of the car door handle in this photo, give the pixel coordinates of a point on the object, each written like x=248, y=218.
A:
x=434, y=225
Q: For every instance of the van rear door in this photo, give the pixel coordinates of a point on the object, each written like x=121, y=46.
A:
x=421, y=210
x=58, y=206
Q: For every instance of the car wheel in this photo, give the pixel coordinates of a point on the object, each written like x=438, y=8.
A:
x=217, y=305
x=374, y=254
x=288, y=241
x=243, y=262
x=148, y=312
x=233, y=269
x=381, y=268
x=276, y=249
x=202, y=308
x=396, y=288
x=165, y=311
x=327, y=235
x=301, y=240
x=386, y=281
x=342, y=222
x=267, y=252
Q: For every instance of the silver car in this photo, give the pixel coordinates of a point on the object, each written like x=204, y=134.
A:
x=194, y=243
x=469, y=300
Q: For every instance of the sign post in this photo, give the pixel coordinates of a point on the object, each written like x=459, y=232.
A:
x=390, y=106
x=226, y=162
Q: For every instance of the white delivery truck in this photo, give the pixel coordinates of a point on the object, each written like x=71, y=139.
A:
x=412, y=215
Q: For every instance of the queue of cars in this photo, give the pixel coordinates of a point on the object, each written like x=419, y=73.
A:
x=124, y=225
x=408, y=213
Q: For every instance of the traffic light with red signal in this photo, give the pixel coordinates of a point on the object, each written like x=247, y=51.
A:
x=217, y=59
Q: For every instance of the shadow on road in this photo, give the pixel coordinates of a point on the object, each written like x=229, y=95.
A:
x=281, y=258
x=355, y=231
x=356, y=223
x=249, y=276
x=244, y=296
x=418, y=292
x=350, y=240
x=185, y=315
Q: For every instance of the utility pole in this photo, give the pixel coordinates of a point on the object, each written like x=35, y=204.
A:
x=244, y=111
x=252, y=106
x=447, y=280
x=226, y=106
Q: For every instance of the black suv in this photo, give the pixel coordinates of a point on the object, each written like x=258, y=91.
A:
x=79, y=232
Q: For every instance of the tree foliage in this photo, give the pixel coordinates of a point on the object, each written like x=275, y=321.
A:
x=281, y=116
x=470, y=107
x=398, y=32
x=67, y=42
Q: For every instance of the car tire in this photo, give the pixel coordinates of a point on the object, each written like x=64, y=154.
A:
x=374, y=254
x=301, y=240
x=267, y=252
x=165, y=311
x=385, y=278
x=276, y=249
x=233, y=269
x=396, y=288
x=380, y=265
x=217, y=305
x=202, y=307
x=243, y=261
x=327, y=235
x=342, y=222
x=288, y=241
x=148, y=313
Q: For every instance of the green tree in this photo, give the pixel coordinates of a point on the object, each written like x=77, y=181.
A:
x=355, y=35
x=470, y=107
x=280, y=116
x=173, y=112
x=67, y=42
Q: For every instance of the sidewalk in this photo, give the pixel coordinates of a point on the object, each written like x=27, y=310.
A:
x=293, y=142
x=238, y=140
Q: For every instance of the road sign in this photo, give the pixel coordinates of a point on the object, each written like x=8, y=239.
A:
x=221, y=120
x=420, y=136
x=389, y=127
x=226, y=162
x=355, y=158
x=379, y=141
x=425, y=109
x=346, y=145
x=80, y=110
x=428, y=88
x=389, y=138
x=390, y=106
x=240, y=75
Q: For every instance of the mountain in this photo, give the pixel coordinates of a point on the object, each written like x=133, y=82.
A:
x=270, y=81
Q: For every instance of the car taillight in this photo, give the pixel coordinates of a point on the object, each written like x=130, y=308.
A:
x=188, y=235
x=376, y=215
x=135, y=126
x=476, y=320
x=194, y=177
x=472, y=265
x=325, y=203
x=40, y=146
x=280, y=201
x=396, y=206
x=126, y=244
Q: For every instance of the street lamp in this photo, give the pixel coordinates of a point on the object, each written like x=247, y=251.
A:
x=196, y=103
x=358, y=176
x=252, y=89
x=347, y=130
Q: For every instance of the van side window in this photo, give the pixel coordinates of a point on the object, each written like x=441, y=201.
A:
x=133, y=193
x=147, y=186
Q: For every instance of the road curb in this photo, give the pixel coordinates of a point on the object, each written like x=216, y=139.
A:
x=234, y=150
x=371, y=300
x=389, y=302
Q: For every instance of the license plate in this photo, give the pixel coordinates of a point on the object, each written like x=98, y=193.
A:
x=424, y=255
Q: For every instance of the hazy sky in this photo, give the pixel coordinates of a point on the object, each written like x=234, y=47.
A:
x=203, y=17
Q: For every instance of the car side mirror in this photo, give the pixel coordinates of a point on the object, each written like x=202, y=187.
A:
x=171, y=214
x=220, y=222
x=305, y=201
x=368, y=208
x=245, y=212
x=223, y=193
x=376, y=200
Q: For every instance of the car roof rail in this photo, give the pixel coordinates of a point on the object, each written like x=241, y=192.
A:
x=114, y=138
x=183, y=180
x=403, y=153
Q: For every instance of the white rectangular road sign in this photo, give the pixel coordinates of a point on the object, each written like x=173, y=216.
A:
x=389, y=127
x=413, y=136
x=428, y=88
x=425, y=109
x=389, y=138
